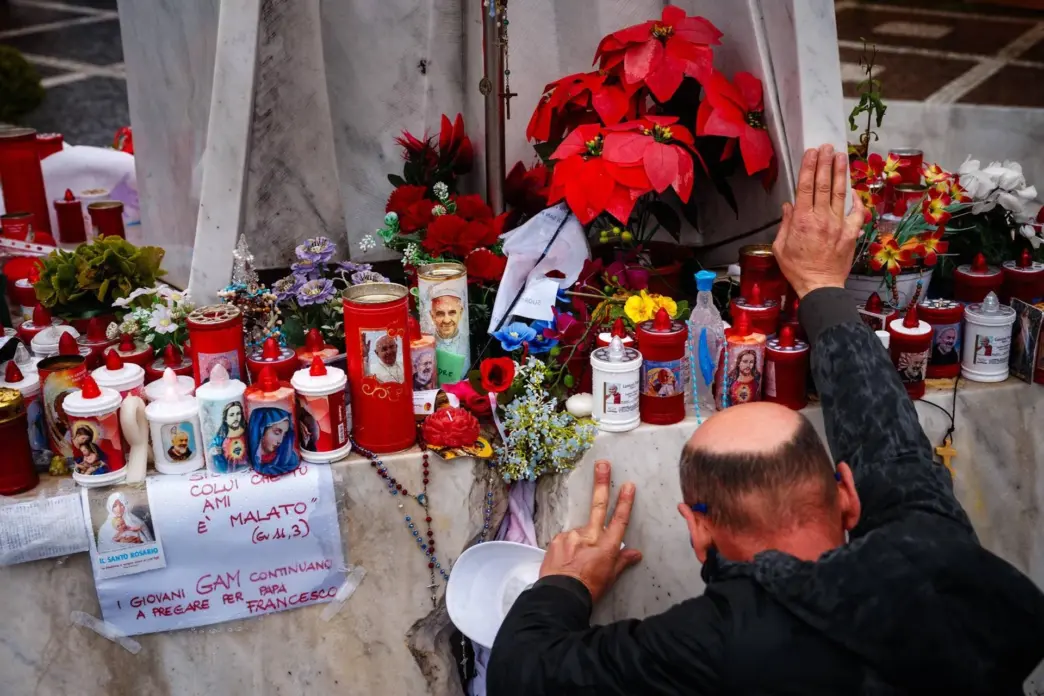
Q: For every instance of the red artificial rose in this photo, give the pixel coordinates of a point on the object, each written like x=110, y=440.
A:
x=738, y=111
x=484, y=265
x=469, y=398
x=472, y=207
x=450, y=427
x=413, y=209
x=497, y=374
x=661, y=53
x=446, y=234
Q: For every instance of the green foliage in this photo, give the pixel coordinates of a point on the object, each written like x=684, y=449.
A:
x=20, y=88
x=85, y=282
x=870, y=102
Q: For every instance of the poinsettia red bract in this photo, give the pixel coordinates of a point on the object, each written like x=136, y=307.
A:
x=654, y=145
x=737, y=111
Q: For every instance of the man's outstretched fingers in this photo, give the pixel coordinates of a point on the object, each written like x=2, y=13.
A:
x=853, y=225
x=837, y=199
x=626, y=559
x=600, y=497
x=824, y=178
x=806, y=189
x=621, y=515
x=784, y=229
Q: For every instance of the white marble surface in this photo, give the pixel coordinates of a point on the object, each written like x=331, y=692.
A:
x=386, y=639
x=1000, y=482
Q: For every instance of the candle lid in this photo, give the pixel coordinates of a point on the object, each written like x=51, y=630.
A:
x=756, y=301
x=990, y=312
x=172, y=357
x=617, y=355
x=318, y=379
x=171, y=403
x=873, y=304
x=941, y=303
x=1024, y=264
x=214, y=316
x=271, y=351
x=787, y=342
x=662, y=324
x=116, y=373
x=14, y=378
x=186, y=386
x=221, y=386
x=978, y=268
x=47, y=342
x=910, y=325
x=375, y=293
x=92, y=400
x=12, y=405
x=42, y=316
x=95, y=332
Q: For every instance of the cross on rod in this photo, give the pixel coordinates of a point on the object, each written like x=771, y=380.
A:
x=507, y=97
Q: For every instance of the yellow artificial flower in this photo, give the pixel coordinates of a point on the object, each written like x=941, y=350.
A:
x=666, y=303
x=640, y=307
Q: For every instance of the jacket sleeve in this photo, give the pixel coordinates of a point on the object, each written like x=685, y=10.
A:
x=871, y=423
x=546, y=647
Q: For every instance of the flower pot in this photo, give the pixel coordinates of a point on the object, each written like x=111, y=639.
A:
x=665, y=265
x=860, y=286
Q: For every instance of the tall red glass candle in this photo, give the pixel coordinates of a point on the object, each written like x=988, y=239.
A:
x=280, y=358
x=16, y=225
x=758, y=265
x=17, y=474
x=107, y=218
x=910, y=345
x=21, y=176
x=786, y=370
x=380, y=369
x=973, y=282
x=661, y=399
x=69, y=213
x=1023, y=279
x=912, y=161
x=48, y=144
x=216, y=335
x=762, y=312
x=945, y=318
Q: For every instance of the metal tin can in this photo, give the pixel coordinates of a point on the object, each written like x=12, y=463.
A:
x=60, y=375
x=216, y=336
x=443, y=294
x=945, y=319
x=17, y=474
x=107, y=218
x=380, y=369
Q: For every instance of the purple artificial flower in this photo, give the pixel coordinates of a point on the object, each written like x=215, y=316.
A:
x=285, y=288
x=306, y=268
x=352, y=267
x=315, y=292
x=316, y=250
x=368, y=277
x=628, y=276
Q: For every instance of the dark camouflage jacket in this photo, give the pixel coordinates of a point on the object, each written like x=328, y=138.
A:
x=911, y=605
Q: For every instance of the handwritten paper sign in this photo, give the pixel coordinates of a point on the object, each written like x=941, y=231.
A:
x=235, y=546
x=41, y=528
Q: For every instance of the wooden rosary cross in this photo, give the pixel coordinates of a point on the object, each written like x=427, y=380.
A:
x=947, y=452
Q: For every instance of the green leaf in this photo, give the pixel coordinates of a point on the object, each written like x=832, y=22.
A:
x=667, y=217
x=396, y=180
x=545, y=150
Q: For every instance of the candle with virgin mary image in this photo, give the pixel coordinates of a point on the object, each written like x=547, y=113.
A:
x=271, y=425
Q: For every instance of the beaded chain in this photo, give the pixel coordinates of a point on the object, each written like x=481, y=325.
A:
x=426, y=544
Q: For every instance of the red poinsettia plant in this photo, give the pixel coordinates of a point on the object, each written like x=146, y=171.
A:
x=653, y=115
x=903, y=233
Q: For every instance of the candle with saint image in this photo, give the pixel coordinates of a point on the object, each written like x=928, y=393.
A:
x=910, y=345
x=272, y=425
x=443, y=293
x=380, y=367
x=216, y=336
x=742, y=366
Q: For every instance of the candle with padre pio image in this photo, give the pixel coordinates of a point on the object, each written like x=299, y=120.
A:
x=422, y=352
x=380, y=369
x=271, y=425
x=910, y=344
x=443, y=290
x=174, y=423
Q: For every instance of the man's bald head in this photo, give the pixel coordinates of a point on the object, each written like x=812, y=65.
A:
x=758, y=467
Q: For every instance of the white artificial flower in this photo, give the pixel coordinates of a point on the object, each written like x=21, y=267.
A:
x=1011, y=203
x=161, y=322
x=124, y=302
x=171, y=295
x=986, y=204
x=970, y=165
x=1030, y=233
x=1004, y=176
x=1026, y=193
x=150, y=338
x=112, y=331
x=367, y=243
x=978, y=185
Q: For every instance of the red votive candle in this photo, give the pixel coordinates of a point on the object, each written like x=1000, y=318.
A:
x=380, y=368
x=107, y=218
x=41, y=320
x=876, y=313
x=945, y=319
x=786, y=370
x=280, y=358
x=96, y=340
x=912, y=161
x=758, y=266
x=742, y=365
x=1023, y=279
x=762, y=313
x=907, y=195
x=910, y=344
x=973, y=282
x=216, y=335
x=16, y=226
x=661, y=399
x=21, y=176
x=172, y=358
x=141, y=354
x=69, y=213
x=17, y=474
x=791, y=320
x=48, y=144
x=315, y=345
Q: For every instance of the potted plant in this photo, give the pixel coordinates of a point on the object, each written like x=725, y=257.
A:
x=82, y=284
x=628, y=140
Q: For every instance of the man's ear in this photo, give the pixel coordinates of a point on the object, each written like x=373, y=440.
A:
x=699, y=531
x=848, y=498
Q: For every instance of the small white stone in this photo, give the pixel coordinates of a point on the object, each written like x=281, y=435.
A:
x=580, y=405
